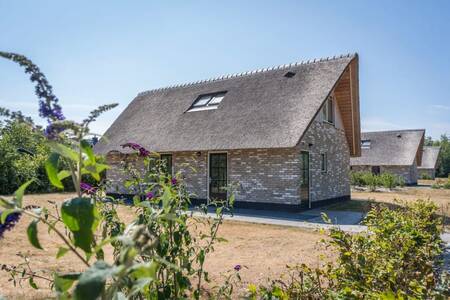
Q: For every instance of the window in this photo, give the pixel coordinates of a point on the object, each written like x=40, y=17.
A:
x=207, y=101
x=376, y=170
x=323, y=162
x=165, y=163
x=365, y=144
x=166, y=160
x=328, y=110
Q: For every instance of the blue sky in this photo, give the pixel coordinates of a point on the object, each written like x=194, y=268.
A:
x=97, y=52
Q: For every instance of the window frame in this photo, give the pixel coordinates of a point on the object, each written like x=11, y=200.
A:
x=365, y=144
x=208, y=105
x=328, y=113
x=169, y=155
x=324, y=162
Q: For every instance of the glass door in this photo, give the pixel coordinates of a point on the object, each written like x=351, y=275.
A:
x=218, y=176
x=304, y=178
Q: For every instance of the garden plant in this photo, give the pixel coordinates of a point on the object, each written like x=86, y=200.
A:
x=161, y=253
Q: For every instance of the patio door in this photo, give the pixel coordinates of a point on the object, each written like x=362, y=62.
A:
x=304, y=179
x=218, y=176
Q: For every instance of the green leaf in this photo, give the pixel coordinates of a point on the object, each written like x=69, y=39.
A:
x=61, y=252
x=81, y=217
x=63, y=282
x=63, y=174
x=64, y=151
x=32, y=233
x=166, y=198
x=6, y=203
x=87, y=149
x=32, y=283
x=92, y=282
x=51, y=166
x=18, y=194
x=4, y=214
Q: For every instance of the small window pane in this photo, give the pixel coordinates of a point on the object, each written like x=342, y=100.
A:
x=323, y=164
x=202, y=101
x=330, y=111
x=216, y=99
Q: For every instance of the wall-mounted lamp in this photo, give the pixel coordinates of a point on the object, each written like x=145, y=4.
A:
x=310, y=145
x=198, y=153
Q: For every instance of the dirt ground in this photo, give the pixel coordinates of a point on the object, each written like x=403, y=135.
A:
x=262, y=250
x=441, y=197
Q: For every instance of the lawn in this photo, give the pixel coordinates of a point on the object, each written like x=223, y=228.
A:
x=263, y=250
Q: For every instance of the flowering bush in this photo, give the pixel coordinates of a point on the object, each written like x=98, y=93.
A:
x=155, y=256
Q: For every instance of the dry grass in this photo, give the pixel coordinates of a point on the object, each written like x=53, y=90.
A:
x=264, y=250
x=441, y=197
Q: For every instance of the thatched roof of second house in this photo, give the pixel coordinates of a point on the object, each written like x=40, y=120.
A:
x=395, y=148
x=430, y=157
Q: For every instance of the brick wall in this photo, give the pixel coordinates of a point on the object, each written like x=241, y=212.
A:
x=271, y=175
x=325, y=138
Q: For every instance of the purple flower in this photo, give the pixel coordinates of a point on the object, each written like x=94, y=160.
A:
x=46, y=111
x=10, y=221
x=237, y=268
x=142, y=151
x=174, y=181
x=87, y=188
x=149, y=195
x=51, y=132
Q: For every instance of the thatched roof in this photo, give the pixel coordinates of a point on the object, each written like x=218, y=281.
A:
x=396, y=148
x=261, y=109
x=430, y=157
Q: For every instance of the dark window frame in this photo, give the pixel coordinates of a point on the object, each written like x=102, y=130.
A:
x=208, y=104
x=169, y=158
x=324, y=162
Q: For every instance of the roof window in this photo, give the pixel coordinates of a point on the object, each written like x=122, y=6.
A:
x=365, y=144
x=289, y=74
x=207, y=101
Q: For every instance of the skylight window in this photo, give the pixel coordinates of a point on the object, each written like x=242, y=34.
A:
x=365, y=144
x=207, y=101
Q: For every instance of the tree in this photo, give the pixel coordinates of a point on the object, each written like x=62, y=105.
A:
x=23, y=151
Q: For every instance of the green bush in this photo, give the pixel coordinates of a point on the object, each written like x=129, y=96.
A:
x=356, y=178
x=436, y=186
x=395, y=259
x=373, y=181
x=446, y=185
x=388, y=180
x=425, y=176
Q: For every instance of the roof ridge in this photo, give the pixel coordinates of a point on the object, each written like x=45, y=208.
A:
x=247, y=73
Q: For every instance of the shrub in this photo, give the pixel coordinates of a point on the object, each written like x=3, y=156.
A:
x=356, y=178
x=389, y=180
x=446, y=185
x=425, y=176
x=371, y=181
x=436, y=186
x=395, y=259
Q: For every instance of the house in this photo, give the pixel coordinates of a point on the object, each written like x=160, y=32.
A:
x=397, y=152
x=429, y=162
x=283, y=135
